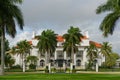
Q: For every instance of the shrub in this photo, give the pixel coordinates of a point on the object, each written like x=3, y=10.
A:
x=53, y=69
x=67, y=69
x=32, y=66
x=73, y=71
x=16, y=67
x=46, y=69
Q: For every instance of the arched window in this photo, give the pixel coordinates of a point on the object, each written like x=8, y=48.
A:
x=52, y=62
x=78, y=62
x=68, y=62
x=42, y=63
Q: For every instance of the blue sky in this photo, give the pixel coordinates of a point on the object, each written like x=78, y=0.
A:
x=59, y=15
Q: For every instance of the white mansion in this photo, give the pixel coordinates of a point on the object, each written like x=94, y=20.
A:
x=61, y=59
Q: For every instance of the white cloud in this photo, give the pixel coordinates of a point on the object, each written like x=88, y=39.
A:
x=58, y=15
x=21, y=36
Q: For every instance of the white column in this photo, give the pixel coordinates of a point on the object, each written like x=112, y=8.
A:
x=71, y=66
x=23, y=65
x=55, y=55
x=64, y=65
x=64, y=55
x=96, y=66
x=84, y=60
x=49, y=68
x=55, y=58
x=74, y=59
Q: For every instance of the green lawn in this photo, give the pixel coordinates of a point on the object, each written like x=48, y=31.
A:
x=60, y=76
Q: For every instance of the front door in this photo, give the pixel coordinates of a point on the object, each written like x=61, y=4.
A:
x=60, y=62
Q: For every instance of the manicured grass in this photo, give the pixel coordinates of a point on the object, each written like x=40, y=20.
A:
x=79, y=76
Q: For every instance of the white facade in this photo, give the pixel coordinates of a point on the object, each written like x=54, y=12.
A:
x=61, y=59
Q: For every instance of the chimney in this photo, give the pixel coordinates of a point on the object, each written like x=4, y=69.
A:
x=86, y=34
x=33, y=35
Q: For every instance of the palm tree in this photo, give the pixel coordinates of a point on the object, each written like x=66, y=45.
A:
x=109, y=22
x=72, y=40
x=106, y=49
x=47, y=44
x=92, y=54
x=23, y=49
x=10, y=13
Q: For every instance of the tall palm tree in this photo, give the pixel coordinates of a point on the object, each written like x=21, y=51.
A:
x=10, y=13
x=92, y=53
x=72, y=40
x=106, y=49
x=47, y=44
x=23, y=49
x=109, y=22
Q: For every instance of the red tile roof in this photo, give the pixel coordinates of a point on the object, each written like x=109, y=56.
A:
x=60, y=38
x=96, y=44
x=84, y=37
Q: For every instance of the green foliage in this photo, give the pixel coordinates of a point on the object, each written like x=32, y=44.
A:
x=47, y=43
x=10, y=15
x=110, y=60
x=32, y=66
x=92, y=54
x=106, y=49
x=23, y=47
x=16, y=67
x=32, y=59
x=109, y=22
x=72, y=40
x=9, y=60
x=74, y=71
x=72, y=37
x=46, y=69
x=53, y=69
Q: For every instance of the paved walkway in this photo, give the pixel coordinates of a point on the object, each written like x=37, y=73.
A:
x=84, y=72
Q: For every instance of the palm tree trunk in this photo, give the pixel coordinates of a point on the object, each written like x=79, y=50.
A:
x=2, y=50
x=72, y=57
x=46, y=59
x=49, y=65
x=23, y=63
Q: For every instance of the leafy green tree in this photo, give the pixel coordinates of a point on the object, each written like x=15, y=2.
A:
x=23, y=49
x=10, y=13
x=109, y=22
x=111, y=60
x=47, y=44
x=32, y=59
x=72, y=40
x=9, y=60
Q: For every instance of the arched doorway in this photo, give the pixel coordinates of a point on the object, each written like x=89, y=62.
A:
x=52, y=62
x=78, y=62
x=42, y=63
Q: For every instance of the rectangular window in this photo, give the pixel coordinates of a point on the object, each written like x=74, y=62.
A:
x=79, y=54
x=60, y=54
